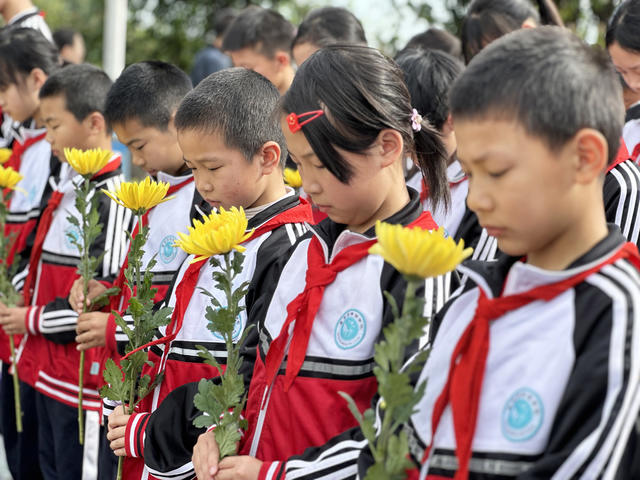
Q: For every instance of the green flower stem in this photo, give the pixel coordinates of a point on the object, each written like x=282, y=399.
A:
x=10, y=298
x=16, y=385
x=85, y=290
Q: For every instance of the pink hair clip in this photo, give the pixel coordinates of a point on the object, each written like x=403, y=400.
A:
x=416, y=121
x=293, y=120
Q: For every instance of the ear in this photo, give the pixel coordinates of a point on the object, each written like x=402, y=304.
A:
x=36, y=79
x=529, y=23
x=96, y=123
x=283, y=58
x=390, y=146
x=269, y=157
x=447, y=126
x=592, y=151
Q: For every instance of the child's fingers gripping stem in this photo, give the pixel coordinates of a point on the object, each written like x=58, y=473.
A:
x=206, y=456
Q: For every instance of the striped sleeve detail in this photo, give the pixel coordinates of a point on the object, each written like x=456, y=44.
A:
x=32, y=320
x=622, y=199
x=57, y=321
x=121, y=338
x=135, y=434
x=18, y=280
x=337, y=462
x=180, y=473
x=598, y=453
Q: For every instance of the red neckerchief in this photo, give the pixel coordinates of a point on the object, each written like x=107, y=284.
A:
x=622, y=156
x=304, y=307
x=43, y=228
x=184, y=291
x=466, y=371
x=18, y=149
x=120, y=281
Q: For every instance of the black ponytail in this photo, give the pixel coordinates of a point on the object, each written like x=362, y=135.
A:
x=362, y=92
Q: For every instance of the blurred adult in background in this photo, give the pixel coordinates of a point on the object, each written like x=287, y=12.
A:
x=211, y=59
x=435, y=39
x=326, y=26
x=488, y=20
x=71, y=45
x=260, y=39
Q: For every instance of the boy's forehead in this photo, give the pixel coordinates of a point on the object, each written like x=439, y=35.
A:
x=481, y=137
x=133, y=129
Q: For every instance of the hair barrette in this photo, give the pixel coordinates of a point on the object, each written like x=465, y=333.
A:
x=416, y=121
x=293, y=120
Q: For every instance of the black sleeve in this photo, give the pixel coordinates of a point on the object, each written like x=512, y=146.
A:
x=622, y=199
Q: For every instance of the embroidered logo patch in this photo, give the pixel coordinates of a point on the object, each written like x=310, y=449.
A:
x=350, y=329
x=167, y=252
x=71, y=233
x=522, y=415
x=237, y=330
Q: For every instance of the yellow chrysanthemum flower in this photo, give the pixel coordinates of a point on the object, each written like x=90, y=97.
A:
x=140, y=196
x=5, y=154
x=87, y=162
x=292, y=177
x=417, y=252
x=9, y=178
x=216, y=234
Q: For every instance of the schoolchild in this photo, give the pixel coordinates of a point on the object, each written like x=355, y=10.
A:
x=234, y=145
x=71, y=106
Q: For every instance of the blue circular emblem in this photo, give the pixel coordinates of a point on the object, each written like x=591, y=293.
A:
x=522, y=415
x=237, y=330
x=71, y=232
x=167, y=251
x=350, y=329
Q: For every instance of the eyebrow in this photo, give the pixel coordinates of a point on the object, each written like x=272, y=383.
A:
x=131, y=142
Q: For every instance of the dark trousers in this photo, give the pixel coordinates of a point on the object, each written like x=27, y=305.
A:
x=59, y=449
x=107, y=461
x=21, y=448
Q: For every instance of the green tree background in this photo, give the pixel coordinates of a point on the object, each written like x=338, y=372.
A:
x=173, y=30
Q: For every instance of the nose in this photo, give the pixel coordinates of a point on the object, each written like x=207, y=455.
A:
x=309, y=182
x=202, y=184
x=49, y=136
x=479, y=198
x=137, y=159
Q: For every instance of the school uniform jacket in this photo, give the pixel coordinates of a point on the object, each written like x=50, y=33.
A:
x=46, y=360
x=338, y=358
x=560, y=393
x=25, y=206
x=179, y=360
x=631, y=131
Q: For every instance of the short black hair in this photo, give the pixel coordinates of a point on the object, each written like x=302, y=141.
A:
x=624, y=25
x=238, y=104
x=487, y=20
x=222, y=19
x=435, y=39
x=429, y=75
x=260, y=28
x=362, y=92
x=84, y=88
x=547, y=80
x=64, y=37
x=329, y=25
x=148, y=92
x=21, y=51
